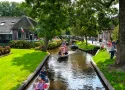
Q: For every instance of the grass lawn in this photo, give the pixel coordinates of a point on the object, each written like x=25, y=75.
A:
x=16, y=67
x=82, y=45
x=116, y=78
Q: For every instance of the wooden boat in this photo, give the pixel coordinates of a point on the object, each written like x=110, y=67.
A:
x=63, y=57
x=47, y=83
x=74, y=47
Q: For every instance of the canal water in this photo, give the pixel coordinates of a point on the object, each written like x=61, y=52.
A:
x=74, y=73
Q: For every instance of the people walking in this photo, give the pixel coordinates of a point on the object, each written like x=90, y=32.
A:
x=112, y=51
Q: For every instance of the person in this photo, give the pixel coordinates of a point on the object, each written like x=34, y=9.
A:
x=100, y=40
x=43, y=74
x=112, y=51
x=61, y=50
x=40, y=84
x=65, y=49
x=35, y=84
x=114, y=43
x=92, y=39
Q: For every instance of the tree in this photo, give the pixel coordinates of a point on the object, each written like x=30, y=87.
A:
x=115, y=33
x=121, y=36
x=83, y=17
x=14, y=9
x=51, y=17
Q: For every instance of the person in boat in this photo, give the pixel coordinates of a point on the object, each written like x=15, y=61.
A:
x=66, y=49
x=35, y=84
x=40, y=85
x=43, y=74
x=63, y=49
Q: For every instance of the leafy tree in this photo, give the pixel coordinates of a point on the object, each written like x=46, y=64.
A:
x=115, y=33
x=9, y=9
x=121, y=36
x=51, y=17
x=83, y=18
x=14, y=9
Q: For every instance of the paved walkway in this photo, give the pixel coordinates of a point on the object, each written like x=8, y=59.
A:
x=97, y=43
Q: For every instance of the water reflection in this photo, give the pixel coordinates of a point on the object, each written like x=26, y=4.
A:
x=73, y=74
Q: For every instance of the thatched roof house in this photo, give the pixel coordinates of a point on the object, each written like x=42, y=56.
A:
x=10, y=28
x=25, y=22
x=6, y=24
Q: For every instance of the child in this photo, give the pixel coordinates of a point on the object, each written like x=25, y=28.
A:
x=35, y=84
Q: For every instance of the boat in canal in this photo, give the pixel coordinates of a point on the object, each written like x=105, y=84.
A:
x=74, y=47
x=63, y=57
x=37, y=85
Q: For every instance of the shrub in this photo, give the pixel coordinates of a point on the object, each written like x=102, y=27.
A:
x=7, y=49
x=22, y=44
x=36, y=44
x=4, y=50
x=39, y=48
x=12, y=43
x=52, y=45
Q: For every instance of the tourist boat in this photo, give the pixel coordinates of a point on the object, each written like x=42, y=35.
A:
x=74, y=47
x=47, y=83
x=63, y=57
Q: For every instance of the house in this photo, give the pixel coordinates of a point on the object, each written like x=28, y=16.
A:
x=106, y=35
x=16, y=28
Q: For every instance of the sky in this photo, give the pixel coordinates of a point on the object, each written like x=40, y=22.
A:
x=13, y=0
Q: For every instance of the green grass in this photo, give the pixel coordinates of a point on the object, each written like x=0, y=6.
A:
x=116, y=78
x=82, y=45
x=16, y=67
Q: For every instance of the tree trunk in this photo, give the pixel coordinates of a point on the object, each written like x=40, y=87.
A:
x=86, y=39
x=45, y=45
x=120, y=60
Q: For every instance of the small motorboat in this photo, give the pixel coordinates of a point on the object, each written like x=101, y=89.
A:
x=74, y=47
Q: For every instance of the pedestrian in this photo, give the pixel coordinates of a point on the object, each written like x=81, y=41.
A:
x=112, y=51
x=92, y=39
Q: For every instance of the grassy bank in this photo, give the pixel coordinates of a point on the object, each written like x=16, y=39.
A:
x=116, y=78
x=82, y=45
x=16, y=67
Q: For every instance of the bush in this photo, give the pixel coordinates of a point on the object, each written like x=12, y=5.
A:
x=39, y=48
x=7, y=49
x=4, y=50
x=22, y=44
x=36, y=44
x=12, y=43
x=52, y=45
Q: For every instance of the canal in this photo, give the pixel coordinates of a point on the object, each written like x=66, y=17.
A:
x=74, y=73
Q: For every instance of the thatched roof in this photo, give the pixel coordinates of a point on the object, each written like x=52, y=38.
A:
x=26, y=23
x=6, y=23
